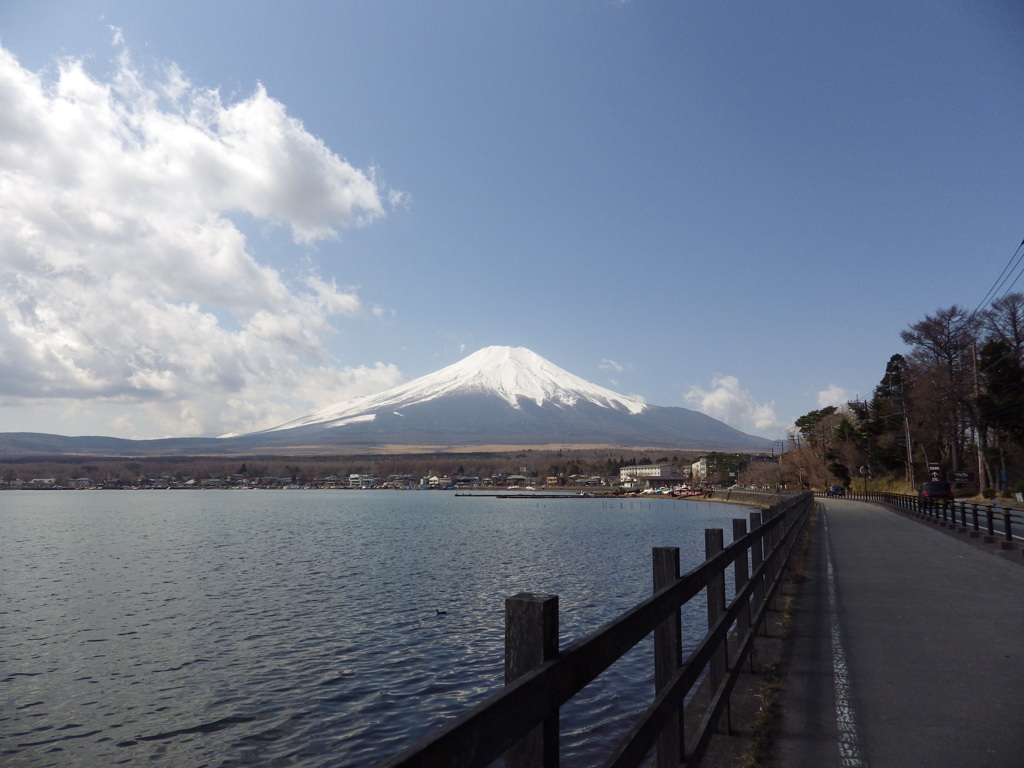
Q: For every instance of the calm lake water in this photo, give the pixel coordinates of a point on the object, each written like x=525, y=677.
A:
x=274, y=628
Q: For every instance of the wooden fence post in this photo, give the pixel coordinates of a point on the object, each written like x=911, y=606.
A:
x=531, y=638
x=771, y=570
x=756, y=558
x=668, y=657
x=714, y=539
x=742, y=573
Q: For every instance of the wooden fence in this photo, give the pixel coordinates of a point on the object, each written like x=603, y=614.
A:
x=992, y=523
x=521, y=721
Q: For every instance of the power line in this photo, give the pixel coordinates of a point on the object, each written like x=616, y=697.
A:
x=1011, y=265
x=967, y=323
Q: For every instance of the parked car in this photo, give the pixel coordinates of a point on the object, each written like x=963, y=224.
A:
x=934, y=490
x=836, y=490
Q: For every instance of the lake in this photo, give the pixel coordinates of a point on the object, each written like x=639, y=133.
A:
x=321, y=628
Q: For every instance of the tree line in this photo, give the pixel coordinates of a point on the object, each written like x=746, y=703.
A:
x=304, y=469
x=953, y=405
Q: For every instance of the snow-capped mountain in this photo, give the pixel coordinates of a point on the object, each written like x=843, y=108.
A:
x=503, y=396
x=512, y=374
x=499, y=397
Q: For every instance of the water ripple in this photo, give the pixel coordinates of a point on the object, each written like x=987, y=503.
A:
x=321, y=628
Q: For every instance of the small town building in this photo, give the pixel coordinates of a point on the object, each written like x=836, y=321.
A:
x=356, y=480
x=661, y=471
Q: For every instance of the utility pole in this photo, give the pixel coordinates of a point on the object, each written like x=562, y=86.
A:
x=906, y=434
x=981, y=438
x=910, y=451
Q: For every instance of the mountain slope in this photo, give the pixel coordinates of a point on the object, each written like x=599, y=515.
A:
x=498, y=396
x=505, y=396
x=513, y=374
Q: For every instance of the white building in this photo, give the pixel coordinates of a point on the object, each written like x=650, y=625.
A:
x=699, y=469
x=659, y=471
x=356, y=480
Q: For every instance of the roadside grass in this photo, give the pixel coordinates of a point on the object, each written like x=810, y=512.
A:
x=760, y=750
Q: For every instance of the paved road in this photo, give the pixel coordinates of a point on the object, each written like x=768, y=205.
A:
x=909, y=653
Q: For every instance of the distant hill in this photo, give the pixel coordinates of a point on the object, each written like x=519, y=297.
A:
x=498, y=396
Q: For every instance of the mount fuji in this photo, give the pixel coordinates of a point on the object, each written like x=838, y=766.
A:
x=503, y=396
x=499, y=398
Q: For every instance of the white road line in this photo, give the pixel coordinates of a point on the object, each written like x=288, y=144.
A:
x=850, y=753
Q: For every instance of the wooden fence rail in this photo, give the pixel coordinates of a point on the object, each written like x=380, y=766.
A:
x=993, y=523
x=520, y=722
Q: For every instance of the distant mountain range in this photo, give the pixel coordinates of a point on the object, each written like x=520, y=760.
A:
x=498, y=397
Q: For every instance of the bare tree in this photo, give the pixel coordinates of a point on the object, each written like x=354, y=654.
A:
x=1004, y=321
x=942, y=371
x=761, y=474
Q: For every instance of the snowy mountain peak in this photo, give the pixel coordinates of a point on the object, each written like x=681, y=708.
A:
x=517, y=373
x=512, y=373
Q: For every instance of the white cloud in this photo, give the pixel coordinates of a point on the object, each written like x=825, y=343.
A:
x=614, y=367
x=123, y=280
x=728, y=402
x=833, y=395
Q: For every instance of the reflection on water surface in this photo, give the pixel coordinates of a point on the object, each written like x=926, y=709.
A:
x=222, y=628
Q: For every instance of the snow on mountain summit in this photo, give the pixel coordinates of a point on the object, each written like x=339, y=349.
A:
x=511, y=373
x=517, y=373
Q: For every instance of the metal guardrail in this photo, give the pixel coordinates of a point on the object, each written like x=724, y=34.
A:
x=990, y=521
x=521, y=720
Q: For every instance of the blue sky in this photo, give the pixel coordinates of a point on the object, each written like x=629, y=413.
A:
x=221, y=216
